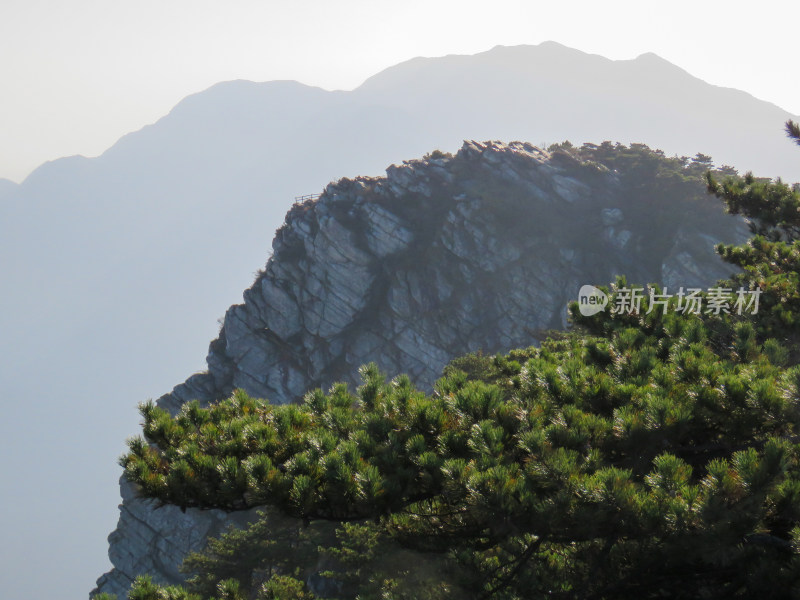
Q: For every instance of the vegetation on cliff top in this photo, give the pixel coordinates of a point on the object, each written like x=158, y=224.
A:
x=651, y=454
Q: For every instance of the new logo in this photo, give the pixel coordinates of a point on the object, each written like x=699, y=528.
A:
x=591, y=300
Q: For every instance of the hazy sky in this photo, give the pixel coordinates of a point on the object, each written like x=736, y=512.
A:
x=77, y=75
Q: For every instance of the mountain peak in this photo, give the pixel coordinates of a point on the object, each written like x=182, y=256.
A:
x=651, y=56
x=654, y=61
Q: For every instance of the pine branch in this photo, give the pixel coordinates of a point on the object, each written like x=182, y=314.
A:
x=793, y=131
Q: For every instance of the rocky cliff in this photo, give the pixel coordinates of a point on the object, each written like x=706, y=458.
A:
x=444, y=255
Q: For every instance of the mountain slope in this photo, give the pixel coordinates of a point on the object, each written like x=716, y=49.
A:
x=444, y=255
x=6, y=187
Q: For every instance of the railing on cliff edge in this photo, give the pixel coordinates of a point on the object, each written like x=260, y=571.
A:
x=299, y=199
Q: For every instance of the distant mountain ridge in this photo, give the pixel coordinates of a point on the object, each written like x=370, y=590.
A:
x=116, y=267
x=569, y=94
x=6, y=187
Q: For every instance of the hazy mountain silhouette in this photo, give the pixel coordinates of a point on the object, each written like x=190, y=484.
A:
x=6, y=187
x=550, y=92
x=115, y=268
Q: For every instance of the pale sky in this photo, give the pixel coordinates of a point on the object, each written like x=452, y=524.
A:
x=77, y=75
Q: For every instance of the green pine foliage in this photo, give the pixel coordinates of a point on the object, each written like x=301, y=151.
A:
x=143, y=588
x=770, y=261
x=590, y=464
x=645, y=455
x=274, y=545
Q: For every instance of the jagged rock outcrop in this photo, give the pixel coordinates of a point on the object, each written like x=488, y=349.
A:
x=444, y=255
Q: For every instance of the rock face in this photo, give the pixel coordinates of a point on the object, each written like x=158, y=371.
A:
x=444, y=255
